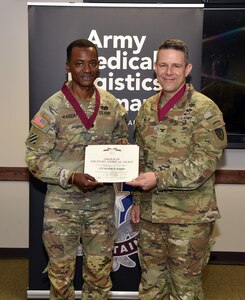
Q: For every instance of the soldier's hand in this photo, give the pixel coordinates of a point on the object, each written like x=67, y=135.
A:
x=146, y=181
x=122, y=142
x=135, y=214
x=85, y=182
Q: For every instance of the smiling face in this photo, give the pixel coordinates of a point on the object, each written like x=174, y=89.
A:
x=171, y=70
x=83, y=66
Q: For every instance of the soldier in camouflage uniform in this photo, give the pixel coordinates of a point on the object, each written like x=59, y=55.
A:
x=76, y=205
x=181, y=135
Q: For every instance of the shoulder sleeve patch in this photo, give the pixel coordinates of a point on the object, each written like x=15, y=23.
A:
x=216, y=126
x=39, y=121
x=35, y=138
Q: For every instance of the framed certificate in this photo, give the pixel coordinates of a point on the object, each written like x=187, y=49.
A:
x=112, y=163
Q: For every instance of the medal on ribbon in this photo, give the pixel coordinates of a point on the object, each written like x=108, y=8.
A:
x=87, y=122
x=87, y=135
x=171, y=102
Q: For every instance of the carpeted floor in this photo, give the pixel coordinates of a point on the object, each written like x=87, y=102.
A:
x=220, y=282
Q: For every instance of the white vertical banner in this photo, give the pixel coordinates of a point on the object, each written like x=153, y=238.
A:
x=127, y=37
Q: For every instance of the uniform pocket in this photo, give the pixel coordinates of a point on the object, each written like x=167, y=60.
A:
x=216, y=128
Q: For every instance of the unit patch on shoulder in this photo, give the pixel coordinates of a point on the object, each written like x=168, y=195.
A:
x=33, y=137
x=220, y=133
x=39, y=121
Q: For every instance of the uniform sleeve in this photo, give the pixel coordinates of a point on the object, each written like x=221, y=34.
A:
x=138, y=192
x=120, y=133
x=39, y=145
x=208, y=141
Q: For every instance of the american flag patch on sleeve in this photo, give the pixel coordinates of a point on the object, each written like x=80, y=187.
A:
x=39, y=121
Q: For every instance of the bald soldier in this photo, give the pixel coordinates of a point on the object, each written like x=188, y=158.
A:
x=76, y=207
x=181, y=134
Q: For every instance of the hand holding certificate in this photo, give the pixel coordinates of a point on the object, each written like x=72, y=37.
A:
x=112, y=163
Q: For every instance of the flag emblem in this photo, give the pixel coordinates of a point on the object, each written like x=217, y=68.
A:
x=39, y=121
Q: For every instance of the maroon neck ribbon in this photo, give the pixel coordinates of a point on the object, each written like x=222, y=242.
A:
x=161, y=112
x=87, y=122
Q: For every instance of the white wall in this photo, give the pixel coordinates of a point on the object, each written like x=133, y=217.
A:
x=229, y=230
x=14, y=122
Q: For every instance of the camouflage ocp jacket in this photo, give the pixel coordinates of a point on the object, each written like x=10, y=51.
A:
x=56, y=147
x=184, y=148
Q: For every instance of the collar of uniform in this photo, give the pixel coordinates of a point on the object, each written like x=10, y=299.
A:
x=185, y=98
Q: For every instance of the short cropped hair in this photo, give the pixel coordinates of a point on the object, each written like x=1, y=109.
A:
x=80, y=43
x=176, y=45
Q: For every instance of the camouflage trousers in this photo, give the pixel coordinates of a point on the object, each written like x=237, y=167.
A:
x=172, y=259
x=62, y=232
